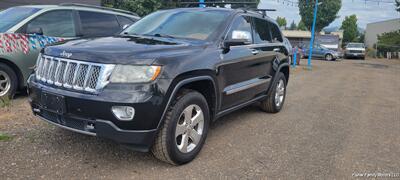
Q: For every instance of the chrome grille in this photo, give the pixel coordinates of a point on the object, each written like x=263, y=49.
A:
x=356, y=51
x=71, y=74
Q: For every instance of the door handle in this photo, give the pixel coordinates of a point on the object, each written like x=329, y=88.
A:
x=255, y=51
x=277, y=50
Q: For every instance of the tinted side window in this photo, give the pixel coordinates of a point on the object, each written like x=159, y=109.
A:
x=275, y=32
x=98, y=24
x=261, y=31
x=241, y=23
x=55, y=23
x=123, y=21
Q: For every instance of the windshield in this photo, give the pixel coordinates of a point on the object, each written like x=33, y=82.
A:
x=355, y=45
x=189, y=24
x=12, y=16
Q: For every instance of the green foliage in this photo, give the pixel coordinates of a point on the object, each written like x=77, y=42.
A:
x=350, y=29
x=252, y=5
x=293, y=26
x=144, y=7
x=4, y=102
x=281, y=21
x=141, y=7
x=398, y=5
x=361, y=37
x=301, y=26
x=5, y=137
x=327, y=13
x=389, y=42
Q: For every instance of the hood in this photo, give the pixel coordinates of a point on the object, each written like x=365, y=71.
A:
x=122, y=50
x=331, y=51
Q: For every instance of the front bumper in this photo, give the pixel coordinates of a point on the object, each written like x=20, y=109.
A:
x=355, y=55
x=91, y=115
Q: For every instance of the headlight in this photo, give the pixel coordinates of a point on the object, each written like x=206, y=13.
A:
x=134, y=74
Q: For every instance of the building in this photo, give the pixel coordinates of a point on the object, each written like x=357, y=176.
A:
x=4, y=4
x=377, y=28
x=301, y=38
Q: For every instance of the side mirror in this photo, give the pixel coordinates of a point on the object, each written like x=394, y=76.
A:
x=238, y=38
x=37, y=31
x=125, y=26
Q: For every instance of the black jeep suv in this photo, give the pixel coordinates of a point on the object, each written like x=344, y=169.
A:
x=159, y=84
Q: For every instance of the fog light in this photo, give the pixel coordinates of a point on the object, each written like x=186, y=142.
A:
x=123, y=113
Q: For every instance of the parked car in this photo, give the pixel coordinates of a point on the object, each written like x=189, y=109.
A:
x=161, y=83
x=321, y=52
x=25, y=30
x=355, y=50
x=289, y=48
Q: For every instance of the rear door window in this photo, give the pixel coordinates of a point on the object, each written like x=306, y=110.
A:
x=58, y=23
x=275, y=32
x=96, y=24
x=261, y=31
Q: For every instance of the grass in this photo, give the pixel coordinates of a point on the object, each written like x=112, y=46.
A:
x=5, y=137
x=5, y=102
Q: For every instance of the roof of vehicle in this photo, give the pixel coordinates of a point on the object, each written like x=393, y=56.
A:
x=250, y=12
x=84, y=7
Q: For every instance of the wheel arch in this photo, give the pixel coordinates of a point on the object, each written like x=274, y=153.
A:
x=286, y=71
x=204, y=84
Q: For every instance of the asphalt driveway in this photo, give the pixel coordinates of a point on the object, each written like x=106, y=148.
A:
x=340, y=120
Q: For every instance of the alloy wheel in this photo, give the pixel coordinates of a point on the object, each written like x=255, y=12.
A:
x=189, y=128
x=329, y=57
x=280, y=93
x=5, y=83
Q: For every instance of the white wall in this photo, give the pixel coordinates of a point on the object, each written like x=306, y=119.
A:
x=375, y=29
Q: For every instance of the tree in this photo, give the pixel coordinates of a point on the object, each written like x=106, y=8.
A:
x=361, y=37
x=389, y=42
x=253, y=4
x=350, y=29
x=398, y=5
x=327, y=12
x=281, y=21
x=140, y=7
x=293, y=26
x=301, y=26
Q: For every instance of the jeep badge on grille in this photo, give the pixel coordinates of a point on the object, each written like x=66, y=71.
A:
x=65, y=54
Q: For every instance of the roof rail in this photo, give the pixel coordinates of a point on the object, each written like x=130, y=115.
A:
x=99, y=7
x=263, y=11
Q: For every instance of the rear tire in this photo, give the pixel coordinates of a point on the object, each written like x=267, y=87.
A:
x=276, y=97
x=184, y=130
x=8, y=82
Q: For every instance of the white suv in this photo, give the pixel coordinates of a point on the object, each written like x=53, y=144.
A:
x=355, y=50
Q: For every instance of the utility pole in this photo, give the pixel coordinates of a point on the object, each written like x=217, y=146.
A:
x=202, y=5
x=312, y=35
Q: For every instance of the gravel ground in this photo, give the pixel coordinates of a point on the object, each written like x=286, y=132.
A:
x=340, y=118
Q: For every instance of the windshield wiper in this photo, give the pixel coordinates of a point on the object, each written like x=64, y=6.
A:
x=163, y=35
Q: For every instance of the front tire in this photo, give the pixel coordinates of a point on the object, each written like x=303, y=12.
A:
x=184, y=130
x=8, y=82
x=329, y=57
x=276, y=97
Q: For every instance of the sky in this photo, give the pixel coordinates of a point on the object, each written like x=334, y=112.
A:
x=366, y=12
